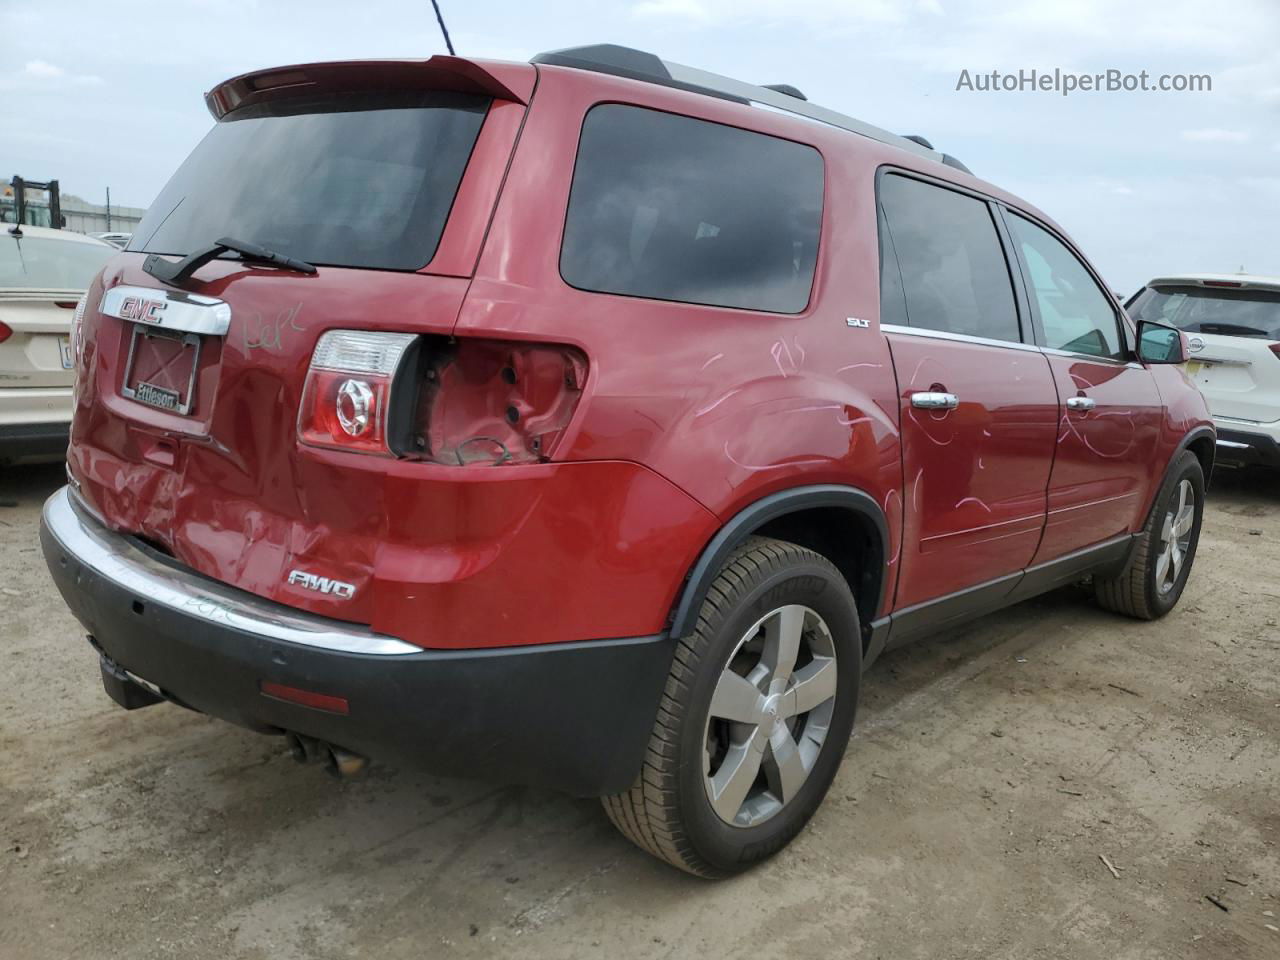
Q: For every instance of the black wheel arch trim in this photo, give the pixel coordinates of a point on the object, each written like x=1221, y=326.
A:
x=1202, y=432
x=754, y=516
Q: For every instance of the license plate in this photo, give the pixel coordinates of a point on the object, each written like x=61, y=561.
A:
x=161, y=369
x=64, y=349
x=1193, y=367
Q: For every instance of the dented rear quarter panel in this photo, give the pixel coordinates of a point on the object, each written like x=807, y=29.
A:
x=730, y=405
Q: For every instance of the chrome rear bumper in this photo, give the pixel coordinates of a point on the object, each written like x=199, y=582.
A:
x=132, y=567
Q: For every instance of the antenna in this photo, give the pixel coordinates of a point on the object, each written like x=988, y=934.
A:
x=443, y=29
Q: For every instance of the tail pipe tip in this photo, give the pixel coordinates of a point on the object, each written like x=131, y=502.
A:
x=340, y=763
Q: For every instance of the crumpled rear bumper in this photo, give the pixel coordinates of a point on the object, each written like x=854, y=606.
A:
x=573, y=716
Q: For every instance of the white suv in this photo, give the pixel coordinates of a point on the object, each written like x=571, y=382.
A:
x=43, y=274
x=1233, y=323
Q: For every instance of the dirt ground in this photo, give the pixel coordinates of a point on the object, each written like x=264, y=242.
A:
x=990, y=773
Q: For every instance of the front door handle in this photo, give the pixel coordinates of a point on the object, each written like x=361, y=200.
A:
x=1081, y=403
x=935, y=401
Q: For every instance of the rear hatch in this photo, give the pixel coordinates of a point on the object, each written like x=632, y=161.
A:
x=382, y=176
x=1234, y=331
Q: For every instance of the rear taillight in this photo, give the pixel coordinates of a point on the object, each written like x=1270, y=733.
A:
x=496, y=402
x=6, y=332
x=77, y=325
x=1275, y=348
x=456, y=402
x=346, y=401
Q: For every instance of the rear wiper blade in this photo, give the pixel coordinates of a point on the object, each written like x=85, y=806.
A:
x=175, y=273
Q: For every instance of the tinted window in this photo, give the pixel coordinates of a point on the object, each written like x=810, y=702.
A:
x=673, y=208
x=1074, y=312
x=361, y=180
x=1239, y=313
x=954, y=273
x=893, y=305
x=50, y=264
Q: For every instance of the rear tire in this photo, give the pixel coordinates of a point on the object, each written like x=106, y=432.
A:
x=1156, y=574
x=745, y=743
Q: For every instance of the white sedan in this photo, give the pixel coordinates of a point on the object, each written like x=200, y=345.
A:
x=43, y=274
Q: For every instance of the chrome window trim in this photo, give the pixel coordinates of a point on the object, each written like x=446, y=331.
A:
x=1009, y=344
x=188, y=312
x=1075, y=354
x=124, y=563
x=958, y=337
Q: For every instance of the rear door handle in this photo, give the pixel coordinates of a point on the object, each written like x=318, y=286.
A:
x=1081, y=403
x=935, y=401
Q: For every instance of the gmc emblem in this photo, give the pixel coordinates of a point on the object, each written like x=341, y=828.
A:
x=144, y=311
x=312, y=581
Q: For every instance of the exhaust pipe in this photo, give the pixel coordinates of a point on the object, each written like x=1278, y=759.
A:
x=341, y=764
x=344, y=764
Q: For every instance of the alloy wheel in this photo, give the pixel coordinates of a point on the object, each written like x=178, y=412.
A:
x=1175, y=537
x=769, y=715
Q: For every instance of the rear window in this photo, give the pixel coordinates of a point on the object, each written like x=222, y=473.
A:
x=357, y=180
x=673, y=208
x=1238, y=313
x=41, y=263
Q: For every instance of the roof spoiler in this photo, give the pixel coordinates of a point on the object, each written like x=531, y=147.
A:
x=1219, y=281
x=502, y=81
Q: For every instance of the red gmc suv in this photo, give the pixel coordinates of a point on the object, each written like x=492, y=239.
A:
x=594, y=423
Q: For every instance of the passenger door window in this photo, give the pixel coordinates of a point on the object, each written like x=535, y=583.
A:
x=1075, y=314
x=955, y=278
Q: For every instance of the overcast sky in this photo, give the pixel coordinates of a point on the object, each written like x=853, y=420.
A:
x=103, y=94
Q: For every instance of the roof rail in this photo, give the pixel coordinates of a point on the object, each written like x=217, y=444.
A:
x=786, y=88
x=620, y=61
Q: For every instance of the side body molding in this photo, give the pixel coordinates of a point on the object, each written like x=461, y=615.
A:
x=756, y=515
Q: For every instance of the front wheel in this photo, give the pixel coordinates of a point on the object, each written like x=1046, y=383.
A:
x=1153, y=580
x=755, y=717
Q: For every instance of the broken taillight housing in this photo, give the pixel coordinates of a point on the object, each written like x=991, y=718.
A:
x=496, y=402
x=347, y=398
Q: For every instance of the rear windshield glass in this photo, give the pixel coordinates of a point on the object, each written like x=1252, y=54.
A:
x=41, y=263
x=673, y=208
x=361, y=180
x=1238, y=313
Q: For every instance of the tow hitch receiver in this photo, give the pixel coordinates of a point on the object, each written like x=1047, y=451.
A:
x=122, y=688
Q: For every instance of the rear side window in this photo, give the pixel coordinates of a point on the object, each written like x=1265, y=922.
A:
x=1074, y=312
x=1222, y=311
x=673, y=208
x=357, y=180
x=955, y=278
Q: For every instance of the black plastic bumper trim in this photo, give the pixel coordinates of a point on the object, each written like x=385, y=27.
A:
x=573, y=716
x=34, y=439
x=1258, y=448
